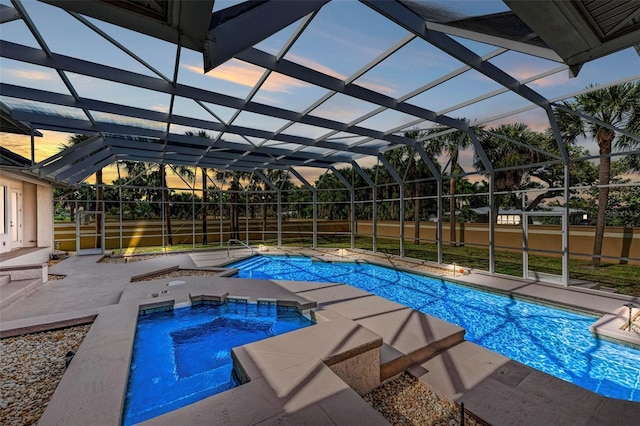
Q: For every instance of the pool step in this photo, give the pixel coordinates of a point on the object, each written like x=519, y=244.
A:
x=253, y=263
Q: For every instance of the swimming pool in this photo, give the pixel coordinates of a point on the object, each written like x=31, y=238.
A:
x=184, y=355
x=555, y=341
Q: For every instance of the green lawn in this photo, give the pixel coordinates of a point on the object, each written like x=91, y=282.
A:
x=624, y=278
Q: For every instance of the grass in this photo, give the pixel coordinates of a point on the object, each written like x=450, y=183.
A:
x=176, y=248
x=625, y=279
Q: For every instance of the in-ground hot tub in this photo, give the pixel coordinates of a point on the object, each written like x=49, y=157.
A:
x=183, y=355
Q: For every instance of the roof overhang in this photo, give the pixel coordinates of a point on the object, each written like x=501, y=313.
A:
x=10, y=125
x=581, y=31
x=177, y=21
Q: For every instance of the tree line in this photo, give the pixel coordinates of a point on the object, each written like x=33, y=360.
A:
x=531, y=163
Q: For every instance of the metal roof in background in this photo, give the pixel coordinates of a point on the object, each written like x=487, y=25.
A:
x=288, y=84
x=11, y=159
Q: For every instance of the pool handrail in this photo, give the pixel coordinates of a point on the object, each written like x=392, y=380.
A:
x=241, y=243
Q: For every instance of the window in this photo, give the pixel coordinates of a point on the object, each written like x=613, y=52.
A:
x=509, y=219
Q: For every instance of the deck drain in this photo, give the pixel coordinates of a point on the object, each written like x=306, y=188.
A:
x=503, y=371
x=492, y=367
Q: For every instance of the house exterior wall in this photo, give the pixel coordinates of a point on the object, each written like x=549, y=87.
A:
x=37, y=211
x=29, y=215
x=45, y=216
x=10, y=183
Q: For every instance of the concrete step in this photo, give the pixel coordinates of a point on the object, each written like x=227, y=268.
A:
x=410, y=338
x=5, y=279
x=17, y=289
x=26, y=272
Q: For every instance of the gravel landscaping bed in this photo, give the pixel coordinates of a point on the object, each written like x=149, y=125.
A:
x=31, y=368
x=182, y=273
x=405, y=401
x=53, y=277
x=128, y=259
x=33, y=365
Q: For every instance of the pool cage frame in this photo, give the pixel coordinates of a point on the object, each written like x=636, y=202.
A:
x=111, y=141
x=274, y=197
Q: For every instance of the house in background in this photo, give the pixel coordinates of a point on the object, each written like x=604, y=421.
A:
x=26, y=213
x=508, y=216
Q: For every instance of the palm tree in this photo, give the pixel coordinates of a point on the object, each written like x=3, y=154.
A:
x=75, y=140
x=414, y=164
x=398, y=158
x=202, y=134
x=279, y=178
x=508, y=159
x=234, y=189
x=450, y=144
x=618, y=106
x=186, y=173
x=153, y=180
x=205, y=200
x=139, y=184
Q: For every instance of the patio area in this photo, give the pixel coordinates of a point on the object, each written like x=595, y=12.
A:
x=463, y=127
x=316, y=375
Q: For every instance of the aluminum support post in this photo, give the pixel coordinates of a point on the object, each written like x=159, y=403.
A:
x=162, y=209
x=375, y=219
x=439, y=221
x=193, y=212
x=33, y=146
x=525, y=238
x=220, y=213
x=492, y=268
x=352, y=225
x=279, y=218
x=402, y=219
x=565, y=229
x=120, y=205
x=315, y=218
x=246, y=217
x=400, y=183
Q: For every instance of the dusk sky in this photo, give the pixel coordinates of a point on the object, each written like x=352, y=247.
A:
x=341, y=39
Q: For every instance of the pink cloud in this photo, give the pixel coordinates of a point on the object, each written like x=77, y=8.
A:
x=535, y=119
x=29, y=75
x=343, y=113
x=378, y=85
x=238, y=72
x=523, y=73
x=310, y=63
x=160, y=108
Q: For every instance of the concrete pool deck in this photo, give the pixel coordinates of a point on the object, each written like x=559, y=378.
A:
x=302, y=387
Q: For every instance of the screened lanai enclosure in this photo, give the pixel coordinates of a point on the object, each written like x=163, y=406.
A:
x=498, y=136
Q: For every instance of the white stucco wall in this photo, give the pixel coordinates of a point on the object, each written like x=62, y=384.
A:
x=29, y=215
x=45, y=217
x=37, y=210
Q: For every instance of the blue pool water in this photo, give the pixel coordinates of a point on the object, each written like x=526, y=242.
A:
x=555, y=341
x=184, y=355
